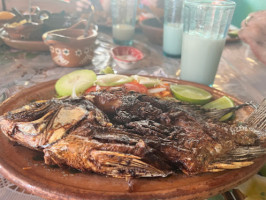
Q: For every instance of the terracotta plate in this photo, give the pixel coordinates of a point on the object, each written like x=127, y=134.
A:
x=18, y=165
x=25, y=45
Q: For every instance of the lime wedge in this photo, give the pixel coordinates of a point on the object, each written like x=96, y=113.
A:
x=107, y=70
x=221, y=103
x=113, y=80
x=78, y=80
x=191, y=94
x=148, y=82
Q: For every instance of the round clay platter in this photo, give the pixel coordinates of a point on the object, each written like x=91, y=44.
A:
x=18, y=164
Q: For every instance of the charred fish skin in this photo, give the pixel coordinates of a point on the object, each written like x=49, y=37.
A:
x=107, y=151
x=202, y=140
x=124, y=107
x=42, y=123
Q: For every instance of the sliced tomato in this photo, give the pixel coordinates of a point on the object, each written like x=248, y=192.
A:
x=136, y=87
x=132, y=86
x=91, y=89
x=96, y=88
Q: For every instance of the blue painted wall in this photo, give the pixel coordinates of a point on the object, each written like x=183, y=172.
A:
x=244, y=7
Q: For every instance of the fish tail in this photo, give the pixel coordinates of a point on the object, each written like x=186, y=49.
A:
x=257, y=119
x=238, y=158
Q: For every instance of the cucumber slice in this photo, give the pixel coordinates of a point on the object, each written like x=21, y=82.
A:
x=113, y=80
x=78, y=81
x=191, y=94
x=148, y=82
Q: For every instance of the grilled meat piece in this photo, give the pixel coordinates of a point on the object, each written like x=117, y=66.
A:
x=124, y=134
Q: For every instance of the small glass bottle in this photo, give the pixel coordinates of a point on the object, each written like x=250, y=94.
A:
x=173, y=28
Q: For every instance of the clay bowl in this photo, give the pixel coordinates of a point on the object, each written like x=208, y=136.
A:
x=153, y=30
x=26, y=31
x=69, y=48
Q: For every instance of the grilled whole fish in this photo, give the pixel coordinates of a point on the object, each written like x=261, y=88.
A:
x=124, y=134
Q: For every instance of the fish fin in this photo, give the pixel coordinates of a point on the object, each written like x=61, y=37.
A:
x=239, y=157
x=216, y=114
x=232, y=165
x=125, y=165
x=257, y=119
x=243, y=154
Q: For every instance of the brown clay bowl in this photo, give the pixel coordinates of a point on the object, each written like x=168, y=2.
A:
x=69, y=48
x=153, y=30
x=27, y=31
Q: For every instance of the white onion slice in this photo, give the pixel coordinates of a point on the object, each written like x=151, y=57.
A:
x=156, y=90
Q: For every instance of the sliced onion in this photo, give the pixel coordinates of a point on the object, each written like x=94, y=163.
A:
x=75, y=93
x=98, y=88
x=156, y=90
x=113, y=80
x=148, y=82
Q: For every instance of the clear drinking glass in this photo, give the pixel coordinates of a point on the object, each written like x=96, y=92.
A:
x=205, y=28
x=124, y=20
x=172, y=28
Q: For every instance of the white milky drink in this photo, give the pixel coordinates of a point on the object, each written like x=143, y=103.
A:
x=123, y=32
x=205, y=27
x=200, y=58
x=172, y=38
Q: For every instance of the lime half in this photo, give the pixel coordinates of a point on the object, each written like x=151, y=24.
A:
x=191, y=94
x=221, y=103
